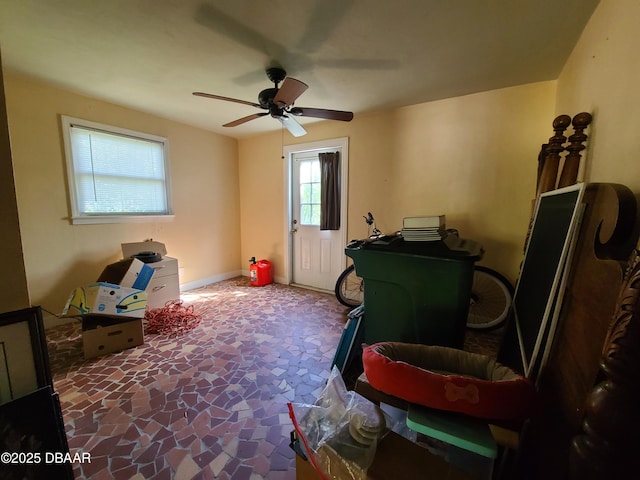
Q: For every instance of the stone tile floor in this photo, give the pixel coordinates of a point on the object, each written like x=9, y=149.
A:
x=208, y=404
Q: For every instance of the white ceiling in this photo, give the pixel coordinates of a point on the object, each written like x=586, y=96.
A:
x=357, y=55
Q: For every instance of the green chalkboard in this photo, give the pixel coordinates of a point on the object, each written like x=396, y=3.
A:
x=534, y=300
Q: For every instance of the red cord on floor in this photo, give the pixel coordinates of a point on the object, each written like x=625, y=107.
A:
x=172, y=319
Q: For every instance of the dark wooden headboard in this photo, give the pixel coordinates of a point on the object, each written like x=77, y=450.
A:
x=607, y=445
x=570, y=407
x=604, y=244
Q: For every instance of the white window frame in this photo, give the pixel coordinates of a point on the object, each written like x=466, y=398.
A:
x=76, y=216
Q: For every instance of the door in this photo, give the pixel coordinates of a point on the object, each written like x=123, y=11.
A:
x=317, y=256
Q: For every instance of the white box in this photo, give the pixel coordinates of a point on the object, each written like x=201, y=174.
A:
x=130, y=273
x=106, y=299
x=165, y=285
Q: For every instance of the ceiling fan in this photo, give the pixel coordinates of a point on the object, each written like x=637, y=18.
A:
x=278, y=102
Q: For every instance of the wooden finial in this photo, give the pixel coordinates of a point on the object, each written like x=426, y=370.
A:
x=571, y=165
x=551, y=160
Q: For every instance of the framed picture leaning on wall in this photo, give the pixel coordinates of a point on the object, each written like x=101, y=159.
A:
x=24, y=359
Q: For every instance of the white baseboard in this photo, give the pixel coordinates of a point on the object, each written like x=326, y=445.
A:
x=208, y=281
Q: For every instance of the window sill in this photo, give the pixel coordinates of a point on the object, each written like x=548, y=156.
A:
x=98, y=219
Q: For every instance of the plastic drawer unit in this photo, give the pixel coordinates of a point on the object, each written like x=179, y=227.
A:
x=416, y=292
x=165, y=284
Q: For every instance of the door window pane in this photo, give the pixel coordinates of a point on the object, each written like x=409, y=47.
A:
x=310, y=192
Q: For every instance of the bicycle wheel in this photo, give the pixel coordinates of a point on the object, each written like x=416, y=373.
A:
x=491, y=297
x=350, y=288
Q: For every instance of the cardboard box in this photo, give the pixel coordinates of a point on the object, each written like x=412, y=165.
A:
x=165, y=285
x=396, y=458
x=103, y=334
x=130, y=272
x=106, y=299
x=119, y=291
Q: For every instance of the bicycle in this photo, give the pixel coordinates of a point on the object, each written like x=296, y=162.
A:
x=491, y=293
x=349, y=286
x=491, y=298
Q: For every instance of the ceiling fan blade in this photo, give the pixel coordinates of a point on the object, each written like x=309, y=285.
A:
x=292, y=125
x=322, y=113
x=242, y=120
x=228, y=99
x=290, y=90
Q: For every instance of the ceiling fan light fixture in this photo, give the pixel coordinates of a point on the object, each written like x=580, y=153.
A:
x=279, y=103
x=292, y=125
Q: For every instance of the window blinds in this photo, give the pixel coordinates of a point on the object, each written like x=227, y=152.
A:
x=118, y=174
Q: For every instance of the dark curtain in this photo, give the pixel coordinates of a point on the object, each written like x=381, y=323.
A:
x=329, y=191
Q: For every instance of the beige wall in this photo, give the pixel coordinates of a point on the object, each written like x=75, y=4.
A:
x=205, y=235
x=602, y=76
x=473, y=158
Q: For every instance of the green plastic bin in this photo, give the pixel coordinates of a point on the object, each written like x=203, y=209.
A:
x=416, y=292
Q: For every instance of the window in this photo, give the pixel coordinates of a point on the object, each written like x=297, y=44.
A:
x=116, y=175
x=310, y=192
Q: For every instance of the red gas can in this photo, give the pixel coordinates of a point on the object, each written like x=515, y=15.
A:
x=260, y=272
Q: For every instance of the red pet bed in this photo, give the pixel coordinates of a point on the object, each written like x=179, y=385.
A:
x=448, y=379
